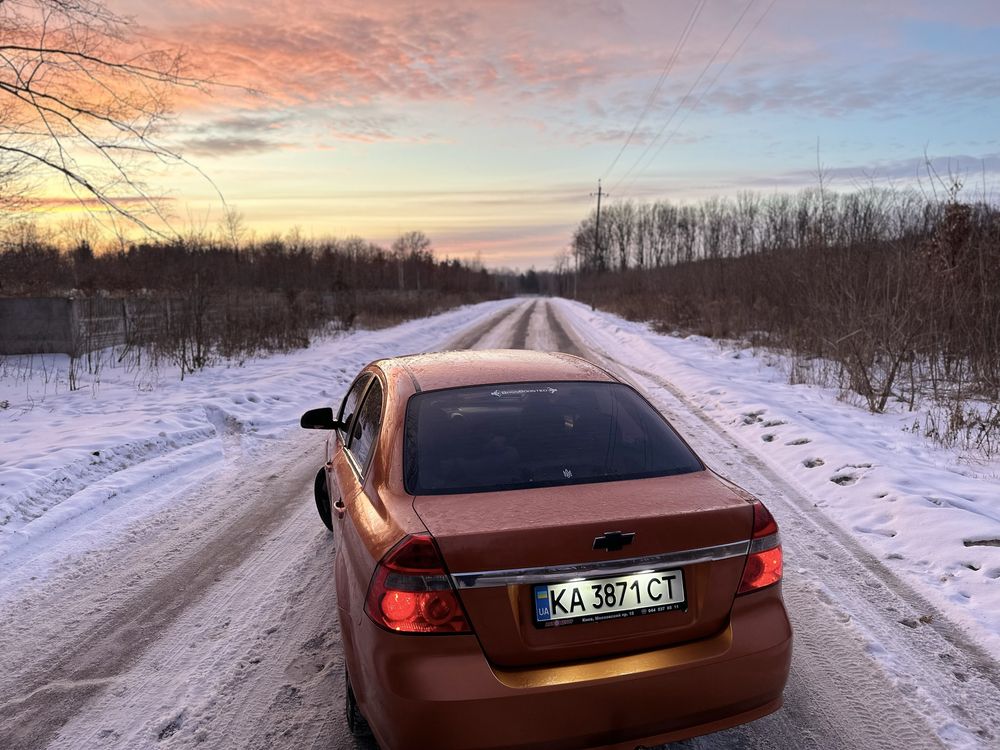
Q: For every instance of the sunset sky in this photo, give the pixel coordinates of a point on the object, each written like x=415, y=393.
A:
x=488, y=124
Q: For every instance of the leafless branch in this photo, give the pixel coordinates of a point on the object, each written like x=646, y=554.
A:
x=83, y=98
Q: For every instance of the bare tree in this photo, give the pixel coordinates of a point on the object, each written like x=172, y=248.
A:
x=81, y=98
x=411, y=250
x=664, y=246
x=713, y=227
x=747, y=212
x=645, y=234
x=584, y=246
x=621, y=228
x=232, y=227
x=411, y=244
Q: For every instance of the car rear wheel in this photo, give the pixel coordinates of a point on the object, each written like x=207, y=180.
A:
x=323, y=499
x=356, y=722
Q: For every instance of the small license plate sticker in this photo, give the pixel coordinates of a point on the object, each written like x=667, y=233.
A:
x=612, y=598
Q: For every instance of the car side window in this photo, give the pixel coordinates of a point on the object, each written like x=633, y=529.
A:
x=366, y=426
x=350, y=403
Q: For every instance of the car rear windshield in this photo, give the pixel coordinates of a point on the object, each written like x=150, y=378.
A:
x=499, y=437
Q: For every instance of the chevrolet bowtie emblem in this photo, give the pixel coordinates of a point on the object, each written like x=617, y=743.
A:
x=612, y=541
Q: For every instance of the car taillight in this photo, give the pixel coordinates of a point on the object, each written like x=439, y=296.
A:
x=411, y=592
x=763, y=566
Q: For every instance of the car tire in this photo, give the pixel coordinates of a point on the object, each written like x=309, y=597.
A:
x=323, y=499
x=356, y=722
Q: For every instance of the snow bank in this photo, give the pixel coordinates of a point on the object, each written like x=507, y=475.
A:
x=931, y=513
x=67, y=455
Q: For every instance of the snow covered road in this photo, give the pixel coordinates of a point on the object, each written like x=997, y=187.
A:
x=181, y=595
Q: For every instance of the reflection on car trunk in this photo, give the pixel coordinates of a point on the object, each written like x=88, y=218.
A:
x=552, y=526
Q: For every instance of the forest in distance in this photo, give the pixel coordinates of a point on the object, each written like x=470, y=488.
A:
x=197, y=301
x=891, y=295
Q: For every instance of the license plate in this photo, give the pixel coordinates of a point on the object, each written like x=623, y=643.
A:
x=609, y=598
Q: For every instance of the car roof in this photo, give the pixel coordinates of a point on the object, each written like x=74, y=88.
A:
x=437, y=370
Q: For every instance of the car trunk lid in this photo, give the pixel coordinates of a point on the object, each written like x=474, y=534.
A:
x=499, y=545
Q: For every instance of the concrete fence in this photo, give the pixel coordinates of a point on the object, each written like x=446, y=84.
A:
x=75, y=326
x=37, y=326
x=236, y=321
x=43, y=325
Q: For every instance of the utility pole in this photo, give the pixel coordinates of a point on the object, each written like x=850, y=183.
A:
x=576, y=272
x=597, y=227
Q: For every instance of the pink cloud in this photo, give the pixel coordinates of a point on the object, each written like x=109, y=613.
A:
x=357, y=53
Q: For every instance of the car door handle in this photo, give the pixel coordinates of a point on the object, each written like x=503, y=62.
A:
x=340, y=508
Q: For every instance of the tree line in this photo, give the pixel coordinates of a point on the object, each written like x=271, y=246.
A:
x=896, y=291
x=32, y=263
x=194, y=301
x=652, y=235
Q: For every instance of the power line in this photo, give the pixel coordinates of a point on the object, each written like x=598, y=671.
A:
x=684, y=98
x=597, y=235
x=704, y=93
x=692, y=19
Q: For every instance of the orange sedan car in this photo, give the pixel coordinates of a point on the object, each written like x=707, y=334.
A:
x=529, y=556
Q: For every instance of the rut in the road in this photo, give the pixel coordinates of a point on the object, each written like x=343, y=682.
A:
x=469, y=338
x=519, y=339
x=35, y=704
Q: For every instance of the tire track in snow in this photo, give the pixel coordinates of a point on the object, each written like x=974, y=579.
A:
x=564, y=342
x=48, y=492
x=120, y=494
x=519, y=337
x=262, y=654
x=80, y=666
x=468, y=338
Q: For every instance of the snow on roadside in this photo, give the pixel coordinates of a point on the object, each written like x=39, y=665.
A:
x=68, y=457
x=933, y=516
x=118, y=449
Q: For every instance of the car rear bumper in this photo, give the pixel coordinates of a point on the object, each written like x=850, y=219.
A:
x=440, y=692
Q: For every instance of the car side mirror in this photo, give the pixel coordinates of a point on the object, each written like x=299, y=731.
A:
x=320, y=419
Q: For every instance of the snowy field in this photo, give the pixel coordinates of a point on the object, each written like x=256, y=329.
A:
x=932, y=514
x=164, y=580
